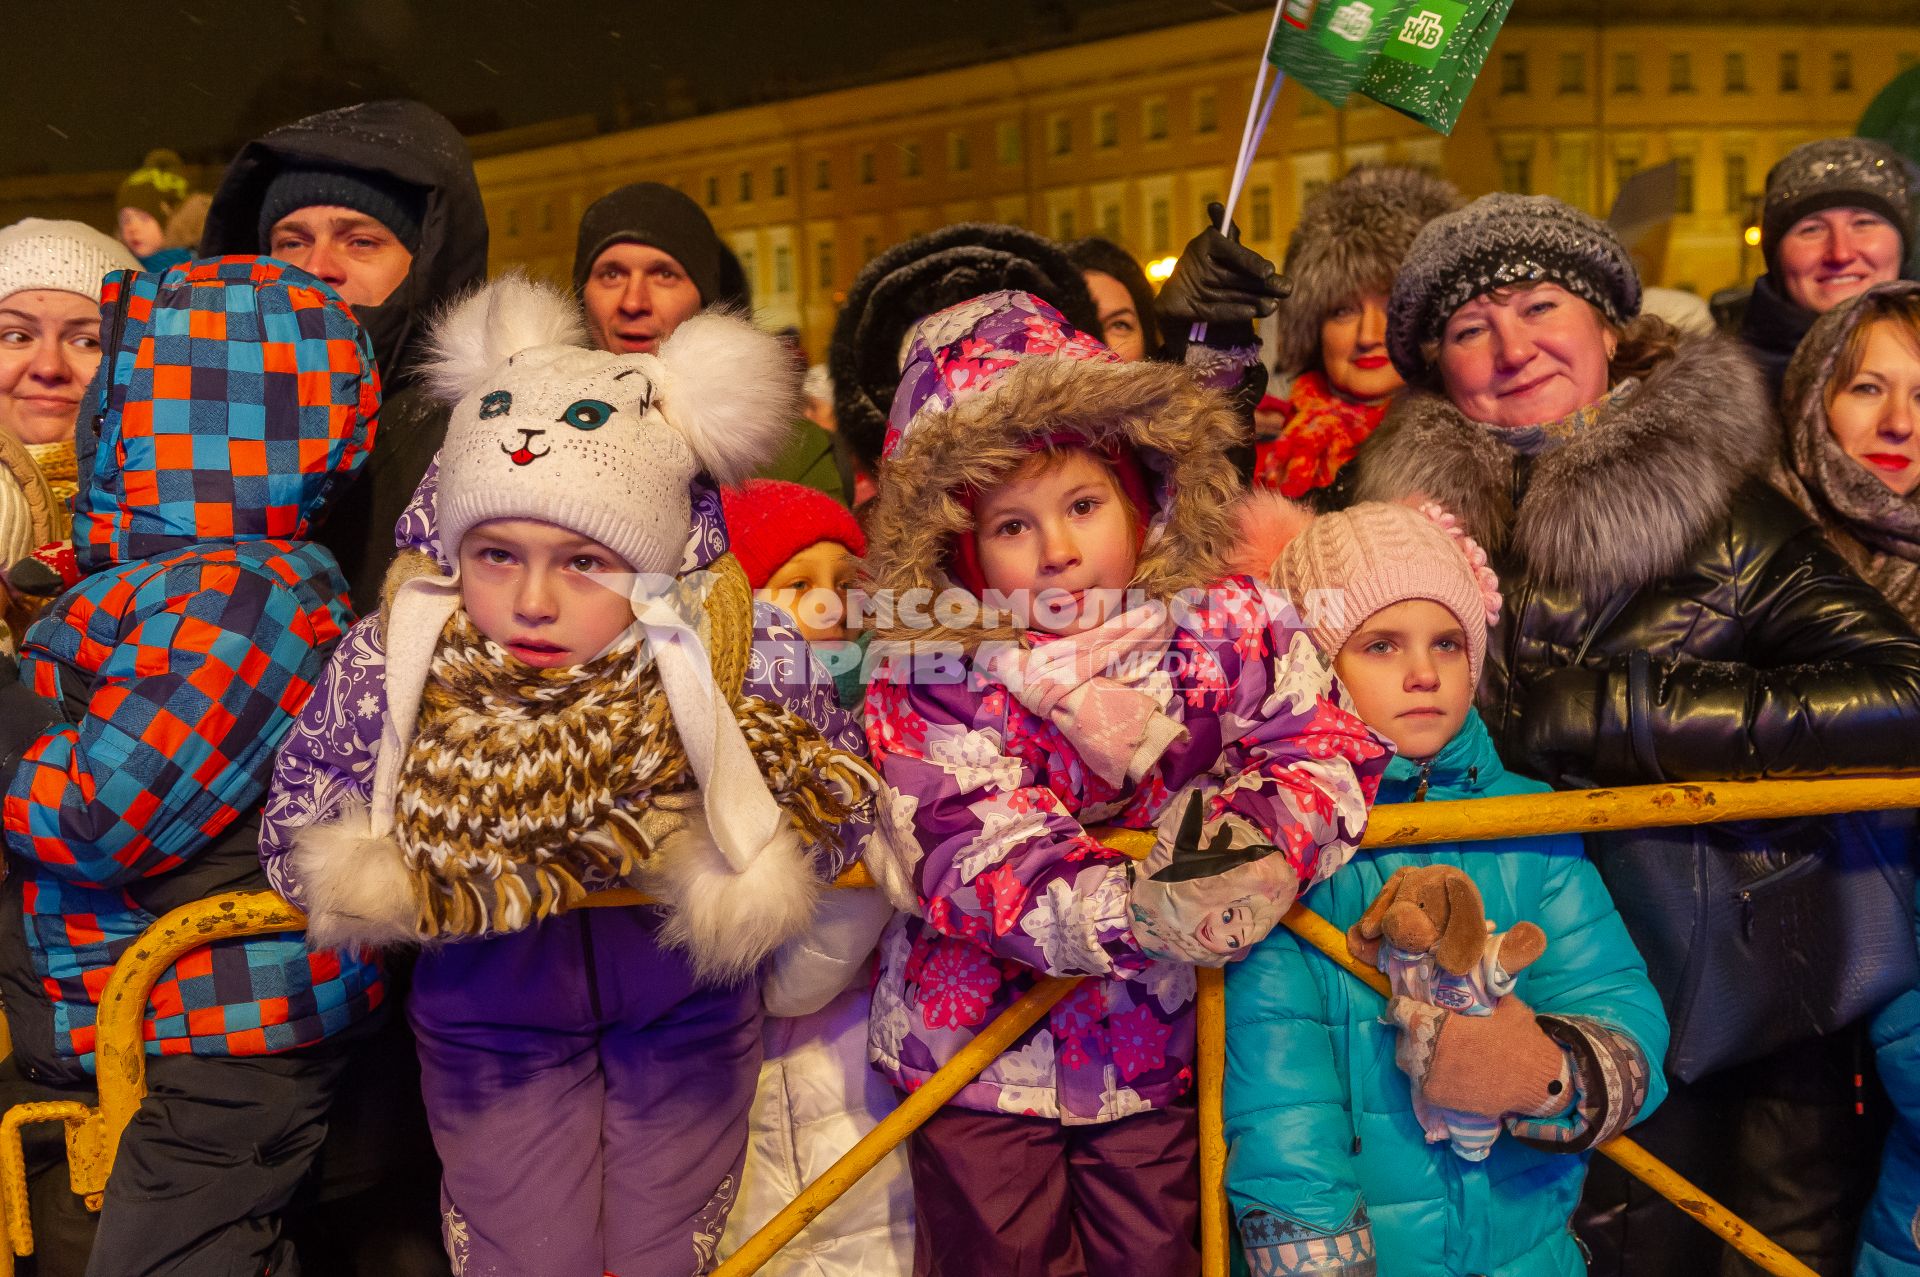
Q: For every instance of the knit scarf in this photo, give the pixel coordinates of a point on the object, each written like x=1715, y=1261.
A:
x=519, y=788
x=1324, y=429
x=1082, y=684
x=1534, y=441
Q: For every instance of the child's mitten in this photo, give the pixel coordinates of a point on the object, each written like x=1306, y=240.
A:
x=1490, y=1065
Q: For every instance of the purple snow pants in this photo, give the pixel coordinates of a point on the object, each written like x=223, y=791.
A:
x=589, y=1103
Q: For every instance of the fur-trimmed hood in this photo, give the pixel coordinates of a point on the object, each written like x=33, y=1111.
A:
x=1351, y=239
x=1178, y=429
x=1620, y=504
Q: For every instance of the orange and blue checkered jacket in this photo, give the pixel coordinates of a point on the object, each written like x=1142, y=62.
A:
x=236, y=396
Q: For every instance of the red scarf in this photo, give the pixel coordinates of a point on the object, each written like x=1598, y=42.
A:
x=1322, y=432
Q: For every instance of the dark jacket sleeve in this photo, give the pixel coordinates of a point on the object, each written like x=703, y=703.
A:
x=1828, y=682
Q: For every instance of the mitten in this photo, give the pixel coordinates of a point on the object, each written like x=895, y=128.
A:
x=1219, y=281
x=1490, y=1065
x=1219, y=895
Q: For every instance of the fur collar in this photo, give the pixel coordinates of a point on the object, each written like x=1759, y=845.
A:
x=1180, y=430
x=1622, y=503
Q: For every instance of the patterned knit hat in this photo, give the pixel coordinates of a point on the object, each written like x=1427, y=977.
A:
x=68, y=257
x=1839, y=172
x=1504, y=241
x=156, y=188
x=1339, y=569
x=770, y=520
x=1351, y=240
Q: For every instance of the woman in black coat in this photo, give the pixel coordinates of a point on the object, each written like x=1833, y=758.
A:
x=1670, y=618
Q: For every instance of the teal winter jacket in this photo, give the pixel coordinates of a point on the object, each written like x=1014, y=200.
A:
x=1327, y=1165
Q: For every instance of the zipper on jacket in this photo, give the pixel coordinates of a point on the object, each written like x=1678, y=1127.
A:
x=121, y=305
x=1426, y=774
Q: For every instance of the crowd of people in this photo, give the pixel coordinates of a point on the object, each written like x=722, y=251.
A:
x=555, y=648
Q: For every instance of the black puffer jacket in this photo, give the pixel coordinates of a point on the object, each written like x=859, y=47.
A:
x=415, y=144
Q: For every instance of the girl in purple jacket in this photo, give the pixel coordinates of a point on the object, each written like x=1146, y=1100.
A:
x=1063, y=648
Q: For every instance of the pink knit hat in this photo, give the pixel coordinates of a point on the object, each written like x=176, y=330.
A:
x=1368, y=557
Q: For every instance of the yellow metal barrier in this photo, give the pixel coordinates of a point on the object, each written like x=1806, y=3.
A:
x=93, y=1134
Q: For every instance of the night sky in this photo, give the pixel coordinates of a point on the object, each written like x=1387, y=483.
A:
x=92, y=84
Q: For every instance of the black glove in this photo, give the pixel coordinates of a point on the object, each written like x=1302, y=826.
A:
x=1219, y=281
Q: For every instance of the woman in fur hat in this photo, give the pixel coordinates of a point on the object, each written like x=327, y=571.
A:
x=1672, y=618
x=568, y=688
x=1333, y=333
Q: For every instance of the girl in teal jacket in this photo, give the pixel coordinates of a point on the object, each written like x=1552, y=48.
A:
x=1328, y=1170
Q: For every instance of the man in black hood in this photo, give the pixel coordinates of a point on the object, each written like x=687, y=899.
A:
x=378, y=200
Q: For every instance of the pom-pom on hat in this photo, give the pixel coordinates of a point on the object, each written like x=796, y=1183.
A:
x=770, y=520
x=1504, y=241
x=1339, y=569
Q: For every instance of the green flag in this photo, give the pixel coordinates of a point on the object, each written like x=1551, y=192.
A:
x=1419, y=57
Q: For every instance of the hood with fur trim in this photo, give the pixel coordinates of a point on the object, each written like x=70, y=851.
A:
x=1179, y=430
x=1351, y=239
x=1621, y=503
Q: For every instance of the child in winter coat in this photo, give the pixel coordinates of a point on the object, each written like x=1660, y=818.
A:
x=800, y=549
x=1029, y=470
x=1330, y=1170
x=577, y=696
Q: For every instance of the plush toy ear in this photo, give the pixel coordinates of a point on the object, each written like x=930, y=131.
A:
x=482, y=330
x=1369, y=924
x=732, y=391
x=1463, y=938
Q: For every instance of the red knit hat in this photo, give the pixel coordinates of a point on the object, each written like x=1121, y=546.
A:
x=769, y=521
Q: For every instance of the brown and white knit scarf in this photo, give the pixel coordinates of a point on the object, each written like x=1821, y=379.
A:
x=518, y=791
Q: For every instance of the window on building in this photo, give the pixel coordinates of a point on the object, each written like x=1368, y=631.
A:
x=869, y=248
x=1513, y=73
x=779, y=181
x=747, y=268
x=823, y=265
x=513, y=223
x=1736, y=73
x=1007, y=136
x=1516, y=174
x=746, y=186
x=1626, y=73
x=782, y=269
x=1679, y=73
x=546, y=215
x=909, y=159
x=1573, y=73
x=1683, y=184
x=1790, y=72
x=959, y=153
x=1106, y=127
x=1574, y=164
x=1110, y=221
x=1736, y=174
x=1263, y=213
x=1154, y=120
x=713, y=192
x=1063, y=224
x=1059, y=135
x=823, y=175
x=1624, y=167
x=1312, y=187
x=866, y=168
x=1206, y=112
x=1160, y=226
x=1842, y=71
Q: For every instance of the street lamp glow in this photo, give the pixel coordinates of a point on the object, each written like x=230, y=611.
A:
x=1160, y=268
x=1752, y=237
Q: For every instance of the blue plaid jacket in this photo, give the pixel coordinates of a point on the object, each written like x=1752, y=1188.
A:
x=235, y=397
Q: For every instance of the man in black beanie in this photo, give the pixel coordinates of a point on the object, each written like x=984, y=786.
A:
x=647, y=261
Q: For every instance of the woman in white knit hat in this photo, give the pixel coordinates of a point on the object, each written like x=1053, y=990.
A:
x=50, y=276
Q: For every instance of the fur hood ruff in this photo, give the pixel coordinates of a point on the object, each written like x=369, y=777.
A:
x=1622, y=503
x=1179, y=429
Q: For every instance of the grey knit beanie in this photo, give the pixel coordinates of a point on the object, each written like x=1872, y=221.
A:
x=1837, y=172
x=1504, y=241
x=1351, y=240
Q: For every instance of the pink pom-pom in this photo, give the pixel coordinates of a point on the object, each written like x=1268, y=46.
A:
x=1268, y=524
x=1476, y=557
